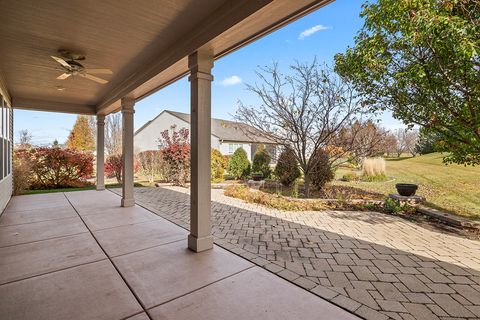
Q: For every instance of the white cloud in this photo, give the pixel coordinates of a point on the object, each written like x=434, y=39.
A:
x=312, y=30
x=230, y=81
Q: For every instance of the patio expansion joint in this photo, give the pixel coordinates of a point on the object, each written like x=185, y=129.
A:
x=202, y=287
x=54, y=271
x=144, y=249
x=33, y=222
x=111, y=262
x=51, y=238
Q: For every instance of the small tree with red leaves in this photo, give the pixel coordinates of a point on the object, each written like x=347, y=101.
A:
x=114, y=167
x=176, y=154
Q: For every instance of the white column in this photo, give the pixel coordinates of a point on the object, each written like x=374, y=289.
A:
x=127, y=152
x=200, y=64
x=100, y=152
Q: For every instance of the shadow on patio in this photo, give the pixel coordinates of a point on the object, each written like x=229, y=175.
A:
x=374, y=265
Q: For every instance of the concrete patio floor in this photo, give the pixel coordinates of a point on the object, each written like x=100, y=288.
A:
x=79, y=255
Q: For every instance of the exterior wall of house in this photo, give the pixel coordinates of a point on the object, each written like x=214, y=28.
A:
x=227, y=148
x=6, y=145
x=148, y=137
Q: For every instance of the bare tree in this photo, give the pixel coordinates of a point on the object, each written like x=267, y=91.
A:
x=304, y=111
x=390, y=143
x=400, y=144
x=369, y=139
x=406, y=141
x=410, y=138
x=113, y=134
x=25, y=139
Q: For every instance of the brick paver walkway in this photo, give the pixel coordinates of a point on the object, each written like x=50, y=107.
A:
x=376, y=266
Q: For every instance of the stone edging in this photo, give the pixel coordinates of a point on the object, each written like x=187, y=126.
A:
x=448, y=218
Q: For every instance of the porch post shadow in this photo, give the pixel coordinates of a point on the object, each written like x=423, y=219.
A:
x=100, y=152
x=200, y=65
x=127, y=152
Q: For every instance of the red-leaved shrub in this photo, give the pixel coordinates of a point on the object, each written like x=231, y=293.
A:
x=56, y=167
x=113, y=167
x=176, y=154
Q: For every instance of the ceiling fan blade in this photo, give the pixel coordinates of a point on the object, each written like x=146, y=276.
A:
x=96, y=79
x=99, y=71
x=64, y=76
x=62, y=62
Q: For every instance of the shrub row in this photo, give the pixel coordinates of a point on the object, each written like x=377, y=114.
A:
x=46, y=168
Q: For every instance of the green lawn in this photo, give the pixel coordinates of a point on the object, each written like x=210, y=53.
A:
x=90, y=187
x=453, y=188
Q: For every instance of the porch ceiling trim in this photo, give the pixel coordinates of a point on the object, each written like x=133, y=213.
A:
x=52, y=106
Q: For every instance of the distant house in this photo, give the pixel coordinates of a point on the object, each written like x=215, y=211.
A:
x=227, y=136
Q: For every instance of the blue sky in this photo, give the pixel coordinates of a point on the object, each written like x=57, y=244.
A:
x=321, y=34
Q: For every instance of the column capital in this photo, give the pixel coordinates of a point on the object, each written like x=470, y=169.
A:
x=100, y=119
x=200, y=75
x=127, y=104
x=200, y=61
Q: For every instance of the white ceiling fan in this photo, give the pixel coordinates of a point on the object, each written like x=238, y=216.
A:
x=69, y=61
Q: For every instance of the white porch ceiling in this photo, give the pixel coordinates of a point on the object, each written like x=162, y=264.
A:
x=145, y=43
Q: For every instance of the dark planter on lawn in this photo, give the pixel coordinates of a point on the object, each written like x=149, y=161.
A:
x=257, y=176
x=406, y=189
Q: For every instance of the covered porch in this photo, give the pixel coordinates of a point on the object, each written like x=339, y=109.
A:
x=136, y=49
x=78, y=255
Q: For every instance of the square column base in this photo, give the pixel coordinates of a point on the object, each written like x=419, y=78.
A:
x=200, y=244
x=100, y=188
x=128, y=202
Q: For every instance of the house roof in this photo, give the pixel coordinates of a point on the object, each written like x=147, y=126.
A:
x=223, y=129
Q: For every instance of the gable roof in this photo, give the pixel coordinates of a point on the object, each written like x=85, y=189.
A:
x=223, y=129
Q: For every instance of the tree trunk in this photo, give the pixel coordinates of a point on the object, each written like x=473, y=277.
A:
x=306, y=185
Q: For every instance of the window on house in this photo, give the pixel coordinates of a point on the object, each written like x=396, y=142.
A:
x=2, y=139
x=6, y=138
x=232, y=147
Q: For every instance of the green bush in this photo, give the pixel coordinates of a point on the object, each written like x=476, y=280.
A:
x=261, y=163
x=239, y=166
x=321, y=171
x=351, y=176
x=376, y=178
x=287, y=169
x=218, y=164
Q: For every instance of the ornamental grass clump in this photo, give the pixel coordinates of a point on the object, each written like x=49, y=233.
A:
x=374, y=169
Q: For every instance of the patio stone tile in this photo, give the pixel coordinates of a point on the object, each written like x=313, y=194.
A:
x=420, y=311
x=24, y=233
x=116, y=217
x=129, y=238
x=451, y=306
x=91, y=291
x=251, y=294
x=37, y=215
x=165, y=272
x=26, y=260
